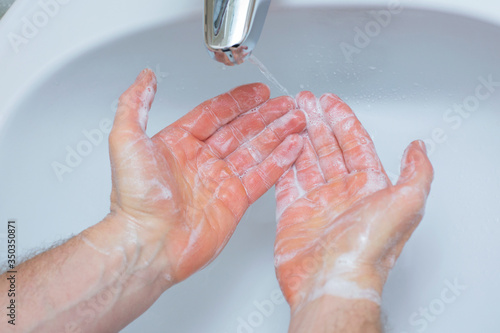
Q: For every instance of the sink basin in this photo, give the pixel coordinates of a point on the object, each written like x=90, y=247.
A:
x=422, y=74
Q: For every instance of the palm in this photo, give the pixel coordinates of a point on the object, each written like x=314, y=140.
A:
x=194, y=180
x=330, y=203
x=331, y=200
x=208, y=199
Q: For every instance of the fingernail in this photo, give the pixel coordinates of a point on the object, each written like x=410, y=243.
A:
x=422, y=146
x=142, y=75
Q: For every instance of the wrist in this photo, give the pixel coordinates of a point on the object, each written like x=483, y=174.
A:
x=131, y=252
x=336, y=314
x=342, y=279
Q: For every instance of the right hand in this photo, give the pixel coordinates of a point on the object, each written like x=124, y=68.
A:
x=181, y=193
x=341, y=223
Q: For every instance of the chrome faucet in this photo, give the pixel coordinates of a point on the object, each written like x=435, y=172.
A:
x=233, y=27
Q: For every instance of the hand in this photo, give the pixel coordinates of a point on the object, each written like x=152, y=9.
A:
x=341, y=223
x=186, y=189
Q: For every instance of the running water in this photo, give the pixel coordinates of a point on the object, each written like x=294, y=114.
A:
x=253, y=59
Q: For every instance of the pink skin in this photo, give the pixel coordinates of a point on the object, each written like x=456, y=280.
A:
x=186, y=188
x=339, y=216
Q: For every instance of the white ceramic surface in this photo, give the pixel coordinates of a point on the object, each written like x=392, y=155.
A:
x=66, y=80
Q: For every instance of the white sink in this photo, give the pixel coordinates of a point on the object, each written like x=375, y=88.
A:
x=402, y=86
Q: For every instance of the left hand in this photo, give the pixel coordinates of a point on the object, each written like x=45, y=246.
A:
x=341, y=223
x=182, y=192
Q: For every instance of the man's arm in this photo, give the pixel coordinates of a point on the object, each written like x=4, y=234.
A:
x=341, y=223
x=176, y=200
x=95, y=282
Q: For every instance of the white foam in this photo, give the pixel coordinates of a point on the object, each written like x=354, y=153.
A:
x=302, y=192
x=337, y=284
x=147, y=98
x=345, y=289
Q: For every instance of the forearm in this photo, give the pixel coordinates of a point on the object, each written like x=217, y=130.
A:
x=331, y=314
x=98, y=281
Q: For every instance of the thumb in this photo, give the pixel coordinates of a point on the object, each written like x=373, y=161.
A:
x=416, y=168
x=133, y=107
x=413, y=188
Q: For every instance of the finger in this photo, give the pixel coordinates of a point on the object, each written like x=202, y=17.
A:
x=409, y=199
x=259, y=148
x=416, y=169
x=133, y=107
x=262, y=177
x=287, y=191
x=309, y=173
x=357, y=147
x=228, y=138
x=209, y=116
x=331, y=159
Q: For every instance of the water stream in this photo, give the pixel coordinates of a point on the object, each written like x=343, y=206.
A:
x=263, y=69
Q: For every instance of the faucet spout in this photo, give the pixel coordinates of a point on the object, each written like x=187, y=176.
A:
x=233, y=27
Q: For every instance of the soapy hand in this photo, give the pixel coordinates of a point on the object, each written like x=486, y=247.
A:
x=183, y=192
x=341, y=223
